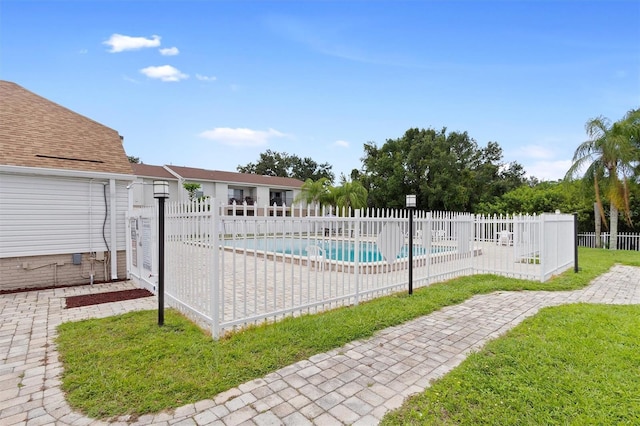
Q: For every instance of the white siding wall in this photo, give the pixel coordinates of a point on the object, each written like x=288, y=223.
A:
x=262, y=196
x=208, y=188
x=221, y=192
x=41, y=215
x=142, y=192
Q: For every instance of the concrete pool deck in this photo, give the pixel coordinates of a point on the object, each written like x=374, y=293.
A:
x=356, y=384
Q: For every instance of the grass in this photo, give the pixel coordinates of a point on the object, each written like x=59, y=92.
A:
x=573, y=364
x=128, y=365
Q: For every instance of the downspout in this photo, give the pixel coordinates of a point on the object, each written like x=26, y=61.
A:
x=114, y=217
x=181, y=181
x=129, y=214
x=91, y=273
x=90, y=215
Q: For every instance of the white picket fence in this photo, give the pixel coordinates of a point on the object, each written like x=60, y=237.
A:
x=626, y=240
x=227, y=271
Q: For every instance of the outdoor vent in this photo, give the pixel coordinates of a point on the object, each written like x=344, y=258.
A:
x=68, y=158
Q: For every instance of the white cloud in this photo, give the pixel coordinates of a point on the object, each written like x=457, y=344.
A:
x=83, y=51
x=241, y=136
x=548, y=170
x=164, y=73
x=169, y=51
x=342, y=144
x=120, y=43
x=206, y=78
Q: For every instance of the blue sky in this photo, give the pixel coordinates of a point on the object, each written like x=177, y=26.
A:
x=213, y=84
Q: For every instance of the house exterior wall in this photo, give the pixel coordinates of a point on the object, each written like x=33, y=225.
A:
x=221, y=191
x=207, y=188
x=45, y=219
x=141, y=191
x=263, y=196
x=55, y=270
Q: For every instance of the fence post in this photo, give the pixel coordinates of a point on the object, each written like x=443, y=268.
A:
x=214, y=285
x=542, y=237
x=356, y=254
x=575, y=248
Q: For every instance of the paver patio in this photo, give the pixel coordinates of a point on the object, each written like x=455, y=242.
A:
x=356, y=384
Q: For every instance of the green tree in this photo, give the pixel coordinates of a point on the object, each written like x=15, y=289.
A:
x=133, y=160
x=270, y=164
x=493, y=178
x=273, y=163
x=349, y=195
x=306, y=168
x=630, y=129
x=544, y=197
x=447, y=171
x=608, y=158
x=315, y=192
x=192, y=189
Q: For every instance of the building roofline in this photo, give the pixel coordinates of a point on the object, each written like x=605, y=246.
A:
x=64, y=172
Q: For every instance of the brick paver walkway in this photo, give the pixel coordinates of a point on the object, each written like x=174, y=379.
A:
x=356, y=384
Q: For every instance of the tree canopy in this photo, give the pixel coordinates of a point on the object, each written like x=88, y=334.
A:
x=447, y=171
x=315, y=192
x=350, y=195
x=281, y=164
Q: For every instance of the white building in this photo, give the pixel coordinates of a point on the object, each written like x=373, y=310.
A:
x=256, y=191
x=63, y=195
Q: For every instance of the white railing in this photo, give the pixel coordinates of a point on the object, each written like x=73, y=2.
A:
x=540, y=246
x=626, y=240
x=227, y=271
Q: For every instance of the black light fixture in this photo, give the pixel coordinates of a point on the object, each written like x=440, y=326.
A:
x=161, y=192
x=411, y=206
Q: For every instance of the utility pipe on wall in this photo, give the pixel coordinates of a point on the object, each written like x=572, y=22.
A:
x=114, y=231
x=91, y=249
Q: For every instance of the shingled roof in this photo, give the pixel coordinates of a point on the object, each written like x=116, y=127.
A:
x=147, y=170
x=36, y=132
x=217, y=176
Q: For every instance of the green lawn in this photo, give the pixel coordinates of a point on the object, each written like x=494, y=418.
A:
x=128, y=365
x=568, y=365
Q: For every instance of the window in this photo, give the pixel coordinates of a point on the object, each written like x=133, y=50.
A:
x=236, y=195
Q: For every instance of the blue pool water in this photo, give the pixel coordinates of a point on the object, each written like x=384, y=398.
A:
x=333, y=250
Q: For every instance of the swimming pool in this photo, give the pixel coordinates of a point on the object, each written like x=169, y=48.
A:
x=333, y=250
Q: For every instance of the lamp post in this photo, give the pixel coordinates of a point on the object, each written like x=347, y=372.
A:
x=575, y=243
x=161, y=192
x=411, y=205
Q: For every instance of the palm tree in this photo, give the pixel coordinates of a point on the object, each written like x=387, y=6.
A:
x=630, y=128
x=351, y=194
x=315, y=192
x=607, y=158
